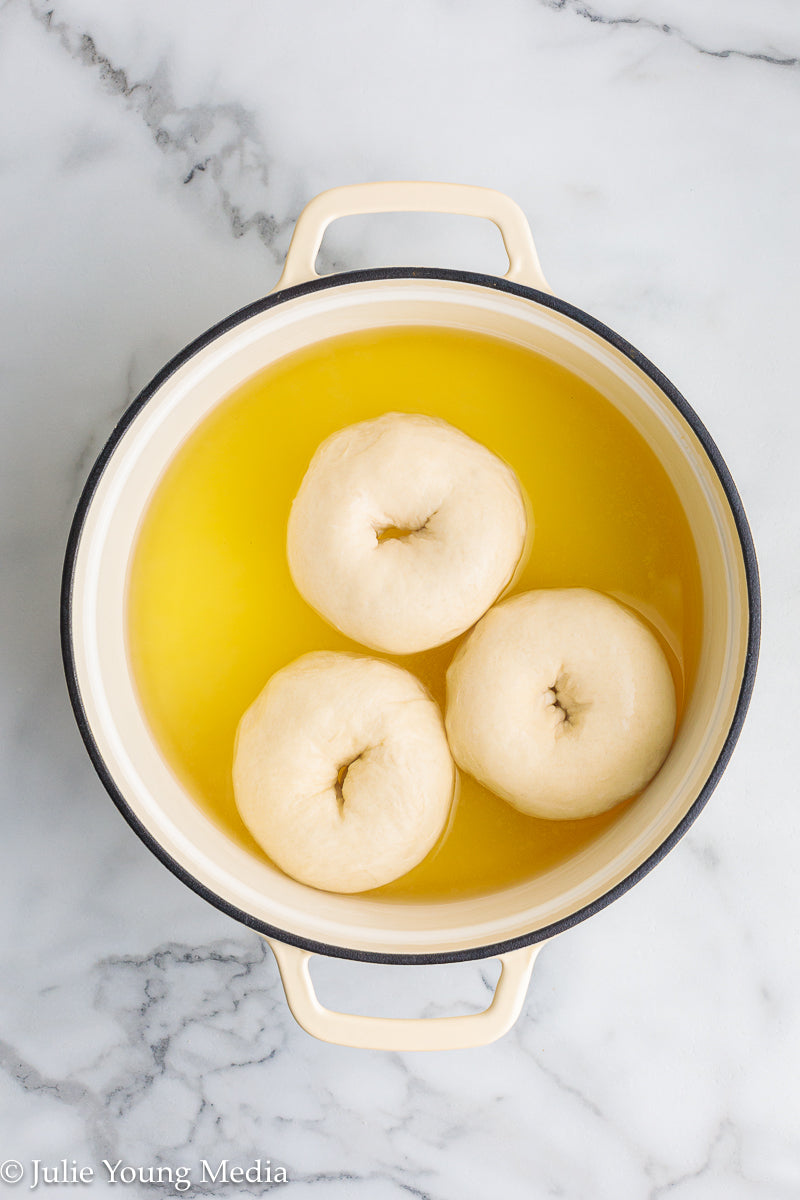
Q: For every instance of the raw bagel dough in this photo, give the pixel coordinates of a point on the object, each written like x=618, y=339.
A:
x=342, y=771
x=561, y=702
x=464, y=516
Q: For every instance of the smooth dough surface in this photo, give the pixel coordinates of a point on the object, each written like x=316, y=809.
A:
x=342, y=772
x=464, y=520
x=561, y=702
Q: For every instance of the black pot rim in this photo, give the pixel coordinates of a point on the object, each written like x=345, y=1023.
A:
x=495, y=284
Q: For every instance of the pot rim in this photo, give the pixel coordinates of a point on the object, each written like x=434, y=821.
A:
x=473, y=279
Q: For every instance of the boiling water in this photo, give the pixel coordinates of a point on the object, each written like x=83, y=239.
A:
x=213, y=612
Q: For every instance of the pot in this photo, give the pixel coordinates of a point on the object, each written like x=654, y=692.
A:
x=512, y=923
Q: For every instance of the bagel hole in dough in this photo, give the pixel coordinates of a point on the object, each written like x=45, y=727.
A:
x=341, y=775
x=566, y=709
x=402, y=532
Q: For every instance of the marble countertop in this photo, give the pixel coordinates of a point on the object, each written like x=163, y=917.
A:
x=153, y=160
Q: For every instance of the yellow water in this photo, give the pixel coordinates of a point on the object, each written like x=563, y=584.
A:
x=212, y=610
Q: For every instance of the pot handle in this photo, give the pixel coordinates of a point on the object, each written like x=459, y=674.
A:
x=390, y=1033
x=455, y=198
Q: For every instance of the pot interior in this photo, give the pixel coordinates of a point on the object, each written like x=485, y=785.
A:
x=375, y=924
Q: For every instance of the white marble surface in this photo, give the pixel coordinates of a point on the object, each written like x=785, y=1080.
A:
x=153, y=159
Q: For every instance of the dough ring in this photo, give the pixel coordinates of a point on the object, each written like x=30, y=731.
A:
x=561, y=702
x=456, y=523
x=342, y=771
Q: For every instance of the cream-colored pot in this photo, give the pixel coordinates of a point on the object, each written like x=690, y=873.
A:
x=298, y=921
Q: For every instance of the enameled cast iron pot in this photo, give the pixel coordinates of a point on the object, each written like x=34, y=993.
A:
x=298, y=921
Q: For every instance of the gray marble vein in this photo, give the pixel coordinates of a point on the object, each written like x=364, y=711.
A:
x=186, y=133
x=592, y=14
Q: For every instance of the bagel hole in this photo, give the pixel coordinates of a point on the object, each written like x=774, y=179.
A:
x=558, y=704
x=341, y=775
x=563, y=701
x=392, y=533
x=400, y=532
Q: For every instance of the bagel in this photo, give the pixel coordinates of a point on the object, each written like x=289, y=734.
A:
x=561, y=702
x=342, y=771
x=456, y=522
